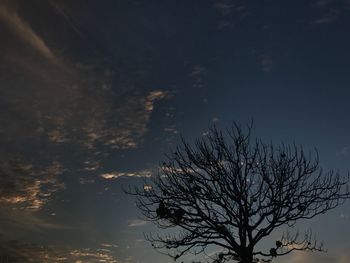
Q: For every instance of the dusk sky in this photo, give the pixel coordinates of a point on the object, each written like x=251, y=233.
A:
x=94, y=93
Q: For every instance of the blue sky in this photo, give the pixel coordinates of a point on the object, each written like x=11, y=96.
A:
x=94, y=93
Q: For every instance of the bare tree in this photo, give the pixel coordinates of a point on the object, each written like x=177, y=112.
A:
x=232, y=192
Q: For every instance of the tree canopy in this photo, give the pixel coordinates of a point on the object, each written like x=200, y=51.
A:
x=231, y=191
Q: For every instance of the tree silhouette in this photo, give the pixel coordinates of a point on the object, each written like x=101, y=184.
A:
x=232, y=192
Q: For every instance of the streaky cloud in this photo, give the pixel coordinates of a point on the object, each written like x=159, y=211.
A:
x=24, y=31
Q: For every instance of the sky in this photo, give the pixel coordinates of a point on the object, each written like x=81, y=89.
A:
x=93, y=94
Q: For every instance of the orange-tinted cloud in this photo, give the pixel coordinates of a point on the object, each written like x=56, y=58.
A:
x=25, y=187
x=24, y=31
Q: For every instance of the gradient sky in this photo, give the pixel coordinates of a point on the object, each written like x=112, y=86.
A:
x=93, y=93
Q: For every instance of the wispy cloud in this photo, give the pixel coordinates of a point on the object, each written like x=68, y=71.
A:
x=25, y=187
x=65, y=118
x=229, y=7
x=13, y=251
x=197, y=74
x=133, y=116
x=24, y=31
x=322, y=3
x=326, y=18
x=137, y=223
x=115, y=175
x=265, y=62
x=74, y=104
x=230, y=10
x=343, y=151
x=329, y=11
x=341, y=256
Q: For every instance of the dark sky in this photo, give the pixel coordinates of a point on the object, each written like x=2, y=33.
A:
x=94, y=93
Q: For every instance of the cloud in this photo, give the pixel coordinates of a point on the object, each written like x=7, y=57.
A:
x=25, y=187
x=25, y=193
x=229, y=7
x=171, y=130
x=230, y=11
x=265, y=62
x=329, y=11
x=63, y=119
x=197, y=74
x=323, y=3
x=343, y=151
x=311, y=258
x=77, y=103
x=16, y=223
x=344, y=216
x=115, y=175
x=133, y=116
x=14, y=251
x=137, y=223
x=340, y=256
x=107, y=245
x=327, y=19
x=101, y=123
x=25, y=32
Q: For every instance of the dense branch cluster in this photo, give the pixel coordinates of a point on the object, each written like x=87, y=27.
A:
x=229, y=191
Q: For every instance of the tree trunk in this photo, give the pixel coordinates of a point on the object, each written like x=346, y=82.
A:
x=247, y=257
x=247, y=260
